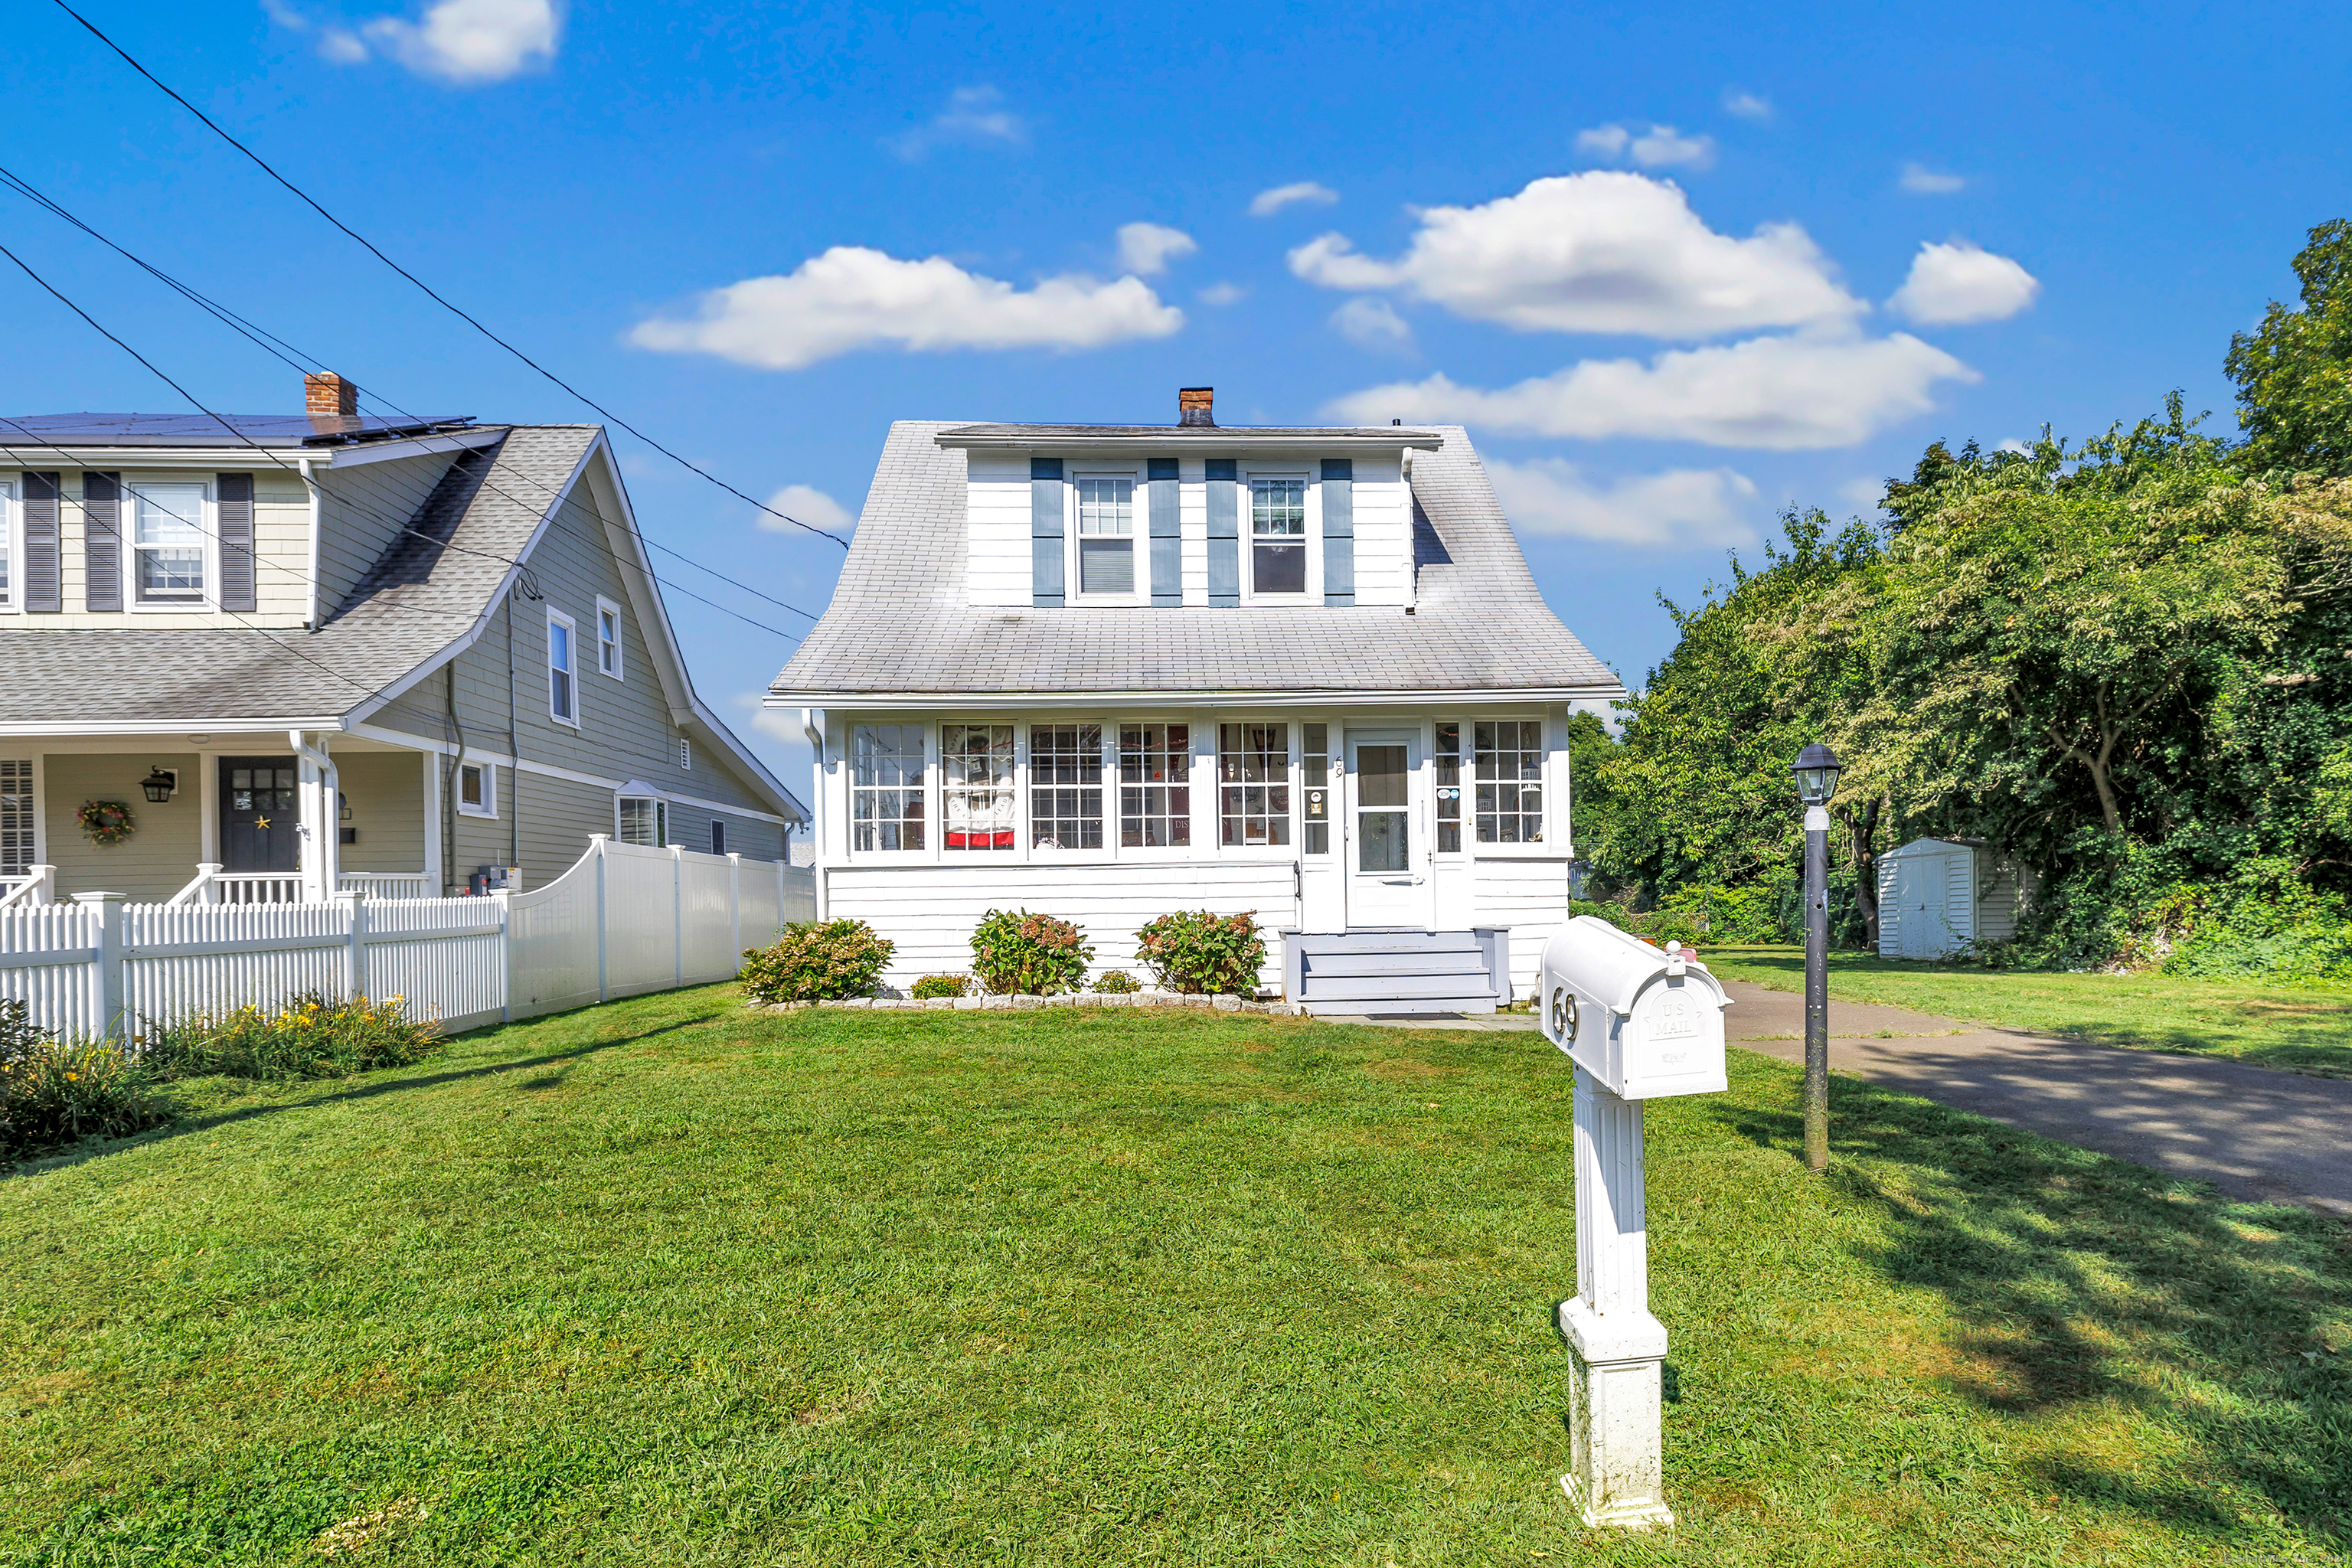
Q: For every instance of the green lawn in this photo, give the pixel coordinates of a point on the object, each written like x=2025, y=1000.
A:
x=2305, y=1027
x=665, y=1282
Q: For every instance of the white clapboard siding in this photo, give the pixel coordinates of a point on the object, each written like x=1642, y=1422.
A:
x=1531, y=898
x=1384, y=532
x=1996, y=899
x=931, y=912
x=997, y=566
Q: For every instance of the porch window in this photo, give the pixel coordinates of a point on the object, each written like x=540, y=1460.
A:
x=167, y=542
x=1254, y=783
x=1155, y=787
x=15, y=816
x=1509, y=763
x=1065, y=797
x=563, y=701
x=1107, y=534
x=477, y=790
x=1278, y=536
x=1315, y=765
x=645, y=821
x=976, y=784
x=1449, y=788
x=886, y=787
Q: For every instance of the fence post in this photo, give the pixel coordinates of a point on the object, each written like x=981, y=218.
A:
x=354, y=909
x=506, y=956
x=735, y=911
x=678, y=914
x=596, y=842
x=106, y=996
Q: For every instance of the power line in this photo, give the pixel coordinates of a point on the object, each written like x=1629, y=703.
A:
x=427, y=289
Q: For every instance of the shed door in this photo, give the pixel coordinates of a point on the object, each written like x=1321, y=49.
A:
x=1919, y=890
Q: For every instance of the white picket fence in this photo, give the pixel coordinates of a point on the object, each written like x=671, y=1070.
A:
x=624, y=920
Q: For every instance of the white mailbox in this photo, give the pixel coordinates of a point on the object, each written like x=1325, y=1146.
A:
x=1644, y=1021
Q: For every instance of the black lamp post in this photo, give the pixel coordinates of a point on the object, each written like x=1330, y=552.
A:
x=1816, y=770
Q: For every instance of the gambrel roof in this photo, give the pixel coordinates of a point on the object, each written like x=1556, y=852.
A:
x=899, y=624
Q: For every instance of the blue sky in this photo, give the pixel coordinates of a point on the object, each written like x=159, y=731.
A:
x=1675, y=270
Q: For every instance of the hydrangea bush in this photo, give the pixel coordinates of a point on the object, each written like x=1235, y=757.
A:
x=1197, y=950
x=1018, y=953
x=817, y=961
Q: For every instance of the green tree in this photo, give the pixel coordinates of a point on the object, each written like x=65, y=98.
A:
x=2295, y=372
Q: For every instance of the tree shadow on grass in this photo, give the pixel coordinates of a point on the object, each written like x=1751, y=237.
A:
x=2086, y=1285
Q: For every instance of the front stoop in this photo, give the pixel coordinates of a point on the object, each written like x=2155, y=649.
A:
x=1395, y=971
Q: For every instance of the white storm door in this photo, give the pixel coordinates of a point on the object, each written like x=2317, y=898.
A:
x=1387, y=860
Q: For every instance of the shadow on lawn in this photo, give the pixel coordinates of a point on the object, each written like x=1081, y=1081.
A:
x=2083, y=1284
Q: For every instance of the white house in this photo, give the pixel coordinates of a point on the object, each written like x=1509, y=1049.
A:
x=1105, y=672
x=1936, y=896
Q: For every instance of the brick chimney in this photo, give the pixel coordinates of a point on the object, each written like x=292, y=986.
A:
x=330, y=394
x=1193, y=404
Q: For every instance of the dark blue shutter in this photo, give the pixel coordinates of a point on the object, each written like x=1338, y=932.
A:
x=1339, y=531
x=1224, y=534
x=43, y=584
x=1167, y=538
x=101, y=541
x=235, y=514
x=1045, y=573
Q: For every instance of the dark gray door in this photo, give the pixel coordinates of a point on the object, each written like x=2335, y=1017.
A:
x=259, y=814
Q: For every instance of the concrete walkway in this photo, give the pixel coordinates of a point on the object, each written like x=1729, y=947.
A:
x=2254, y=1133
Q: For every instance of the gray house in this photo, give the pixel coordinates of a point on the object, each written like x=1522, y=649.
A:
x=316, y=652
x=1109, y=671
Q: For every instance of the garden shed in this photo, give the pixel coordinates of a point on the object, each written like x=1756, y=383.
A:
x=1936, y=896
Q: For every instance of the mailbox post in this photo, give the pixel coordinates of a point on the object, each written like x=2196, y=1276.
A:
x=1639, y=1023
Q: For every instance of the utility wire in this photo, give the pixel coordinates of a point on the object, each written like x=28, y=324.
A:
x=429, y=291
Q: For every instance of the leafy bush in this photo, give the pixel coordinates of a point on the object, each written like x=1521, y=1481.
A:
x=814, y=961
x=1117, y=983
x=312, y=1035
x=52, y=1093
x=1195, y=950
x=931, y=986
x=1029, y=955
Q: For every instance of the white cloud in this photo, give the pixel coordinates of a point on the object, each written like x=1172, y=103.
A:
x=342, y=46
x=1782, y=394
x=1598, y=252
x=463, y=41
x=2016, y=446
x=1952, y=285
x=1373, y=324
x=1146, y=249
x=853, y=298
x=1684, y=507
x=1222, y=294
x=1659, y=147
x=1922, y=181
x=974, y=115
x=1265, y=204
x=809, y=504
x=1747, y=105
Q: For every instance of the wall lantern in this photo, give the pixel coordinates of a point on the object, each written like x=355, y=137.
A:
x=160, y=783
x=1817, y=774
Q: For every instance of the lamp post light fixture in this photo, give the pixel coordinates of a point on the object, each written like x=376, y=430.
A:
x=158, y=785
x=1816, y=770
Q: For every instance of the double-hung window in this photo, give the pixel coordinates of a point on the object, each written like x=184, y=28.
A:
x=1155, y=787
x=562, y=695
x=1509, y=760
x=608, y=639
x=167, y=543
x=1065, y=797
x=976, y=787
x=1279, y=536
x=886, y=787
x=1254, y=783
x=1106, y=534
x=8, y=568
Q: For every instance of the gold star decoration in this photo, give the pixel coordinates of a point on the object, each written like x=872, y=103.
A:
x=261, y=822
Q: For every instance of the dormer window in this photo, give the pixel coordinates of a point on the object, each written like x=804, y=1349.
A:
x=1278, y=536
x=1107, y=534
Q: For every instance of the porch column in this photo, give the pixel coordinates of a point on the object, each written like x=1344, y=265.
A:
x=318, y=800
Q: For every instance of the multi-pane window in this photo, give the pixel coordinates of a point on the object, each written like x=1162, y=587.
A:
x=1315, y=783
x=15, y=816
x=1279, y=536
x=643, y=821
x=561, y=703
x=1155, y=785
x=1065, y=797
x=886, y=786
x=1254, y=783
x=167, y=543
x=1107, y=534
x=976, y=785
x=1509, y=764
x=1448, y=769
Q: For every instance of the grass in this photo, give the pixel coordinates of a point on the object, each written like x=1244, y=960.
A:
x=2303, y=1027
x=667, y=1282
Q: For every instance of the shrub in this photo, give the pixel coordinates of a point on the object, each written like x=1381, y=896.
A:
x=931, y=986
x=1029, y=955
x=52, y=1093
x=813, y=961
x=1195, y=950
x=1117, y=983
x=312, y=1035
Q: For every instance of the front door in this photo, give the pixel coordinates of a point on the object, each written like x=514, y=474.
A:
x=1388, y=866
x=259, y=816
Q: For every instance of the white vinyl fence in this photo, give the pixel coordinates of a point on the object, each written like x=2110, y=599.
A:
x=625, y=920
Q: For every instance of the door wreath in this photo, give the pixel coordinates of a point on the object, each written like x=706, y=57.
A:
x=105, y=822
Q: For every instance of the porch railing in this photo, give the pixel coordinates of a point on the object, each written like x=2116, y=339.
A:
x=213, y=885
x=39, y=885
x=387, y=884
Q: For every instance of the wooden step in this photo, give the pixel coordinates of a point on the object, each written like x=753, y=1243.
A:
x=1318, y=964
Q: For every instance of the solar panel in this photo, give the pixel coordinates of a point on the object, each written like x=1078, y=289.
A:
x=203, y=431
